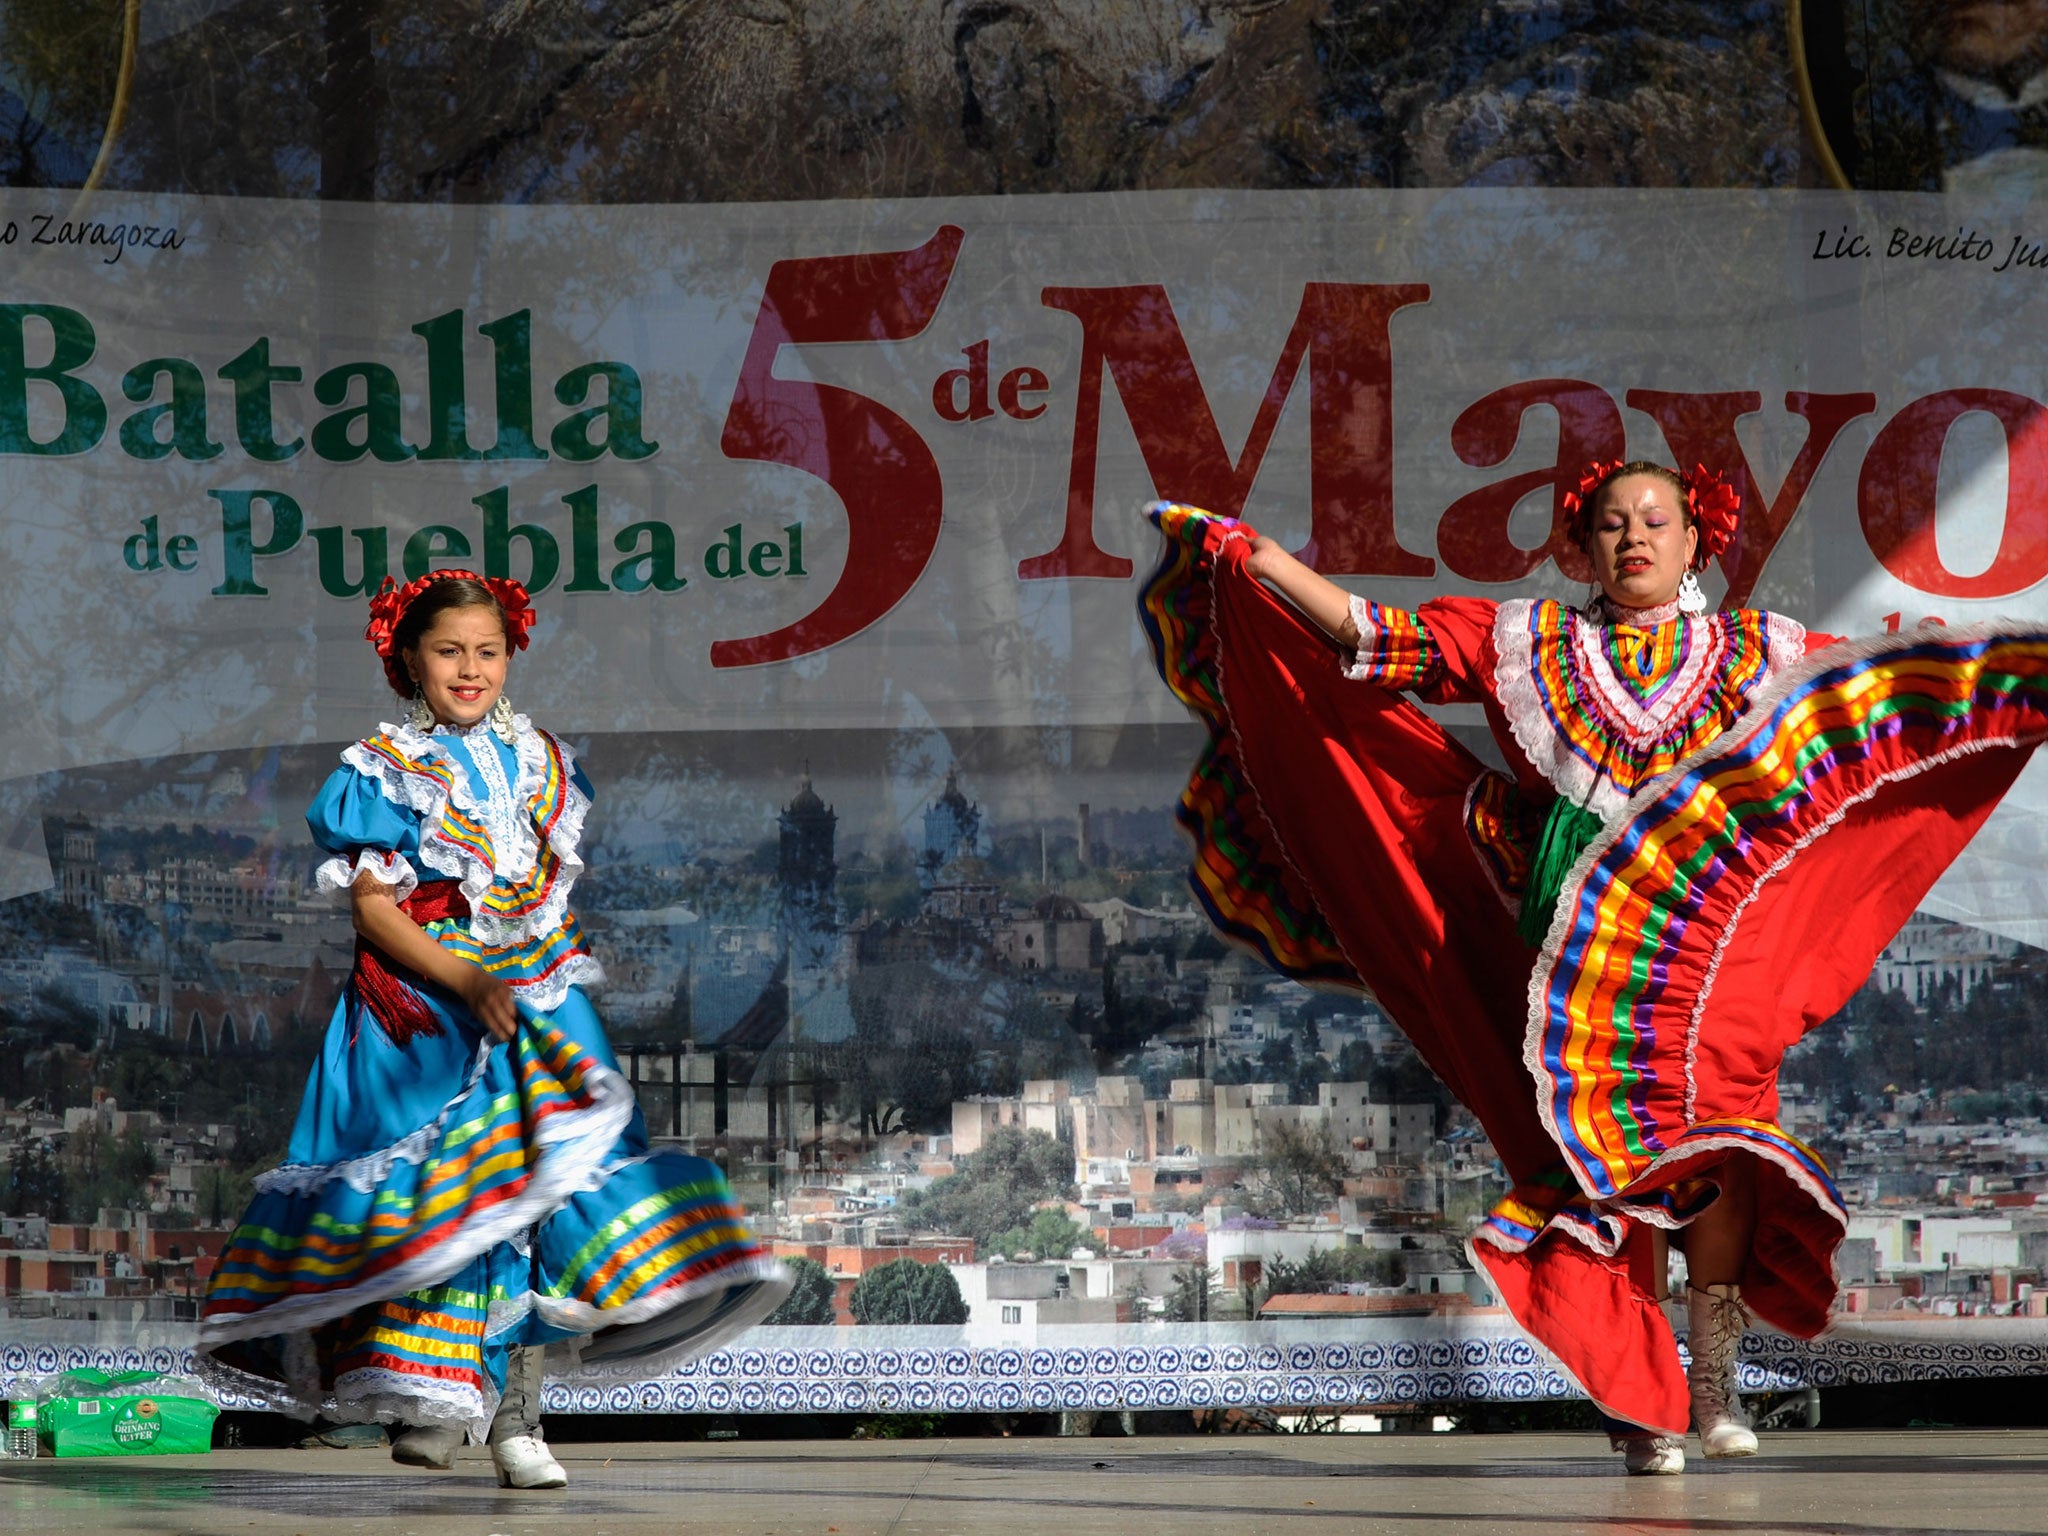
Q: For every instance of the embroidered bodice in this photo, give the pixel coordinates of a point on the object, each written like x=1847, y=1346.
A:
x=503, y=820
x=1601, y=708
x=1594, y=705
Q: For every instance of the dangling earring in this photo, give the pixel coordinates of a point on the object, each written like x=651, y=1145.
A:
x=1691, y=600
x=419, y=714
x=1593, y=596
x=501, y=721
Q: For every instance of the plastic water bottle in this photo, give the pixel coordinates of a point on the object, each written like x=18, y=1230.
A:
x=20, y=1439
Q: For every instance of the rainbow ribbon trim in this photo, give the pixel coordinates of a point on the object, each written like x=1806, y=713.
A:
x=535, y=957
x=1240, y=875
x=673, y=1238
x=433, y=1338
x=1692, y=675
x=1607, y=1021
x=335, y=1239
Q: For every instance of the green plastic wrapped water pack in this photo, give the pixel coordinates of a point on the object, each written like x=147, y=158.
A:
x=124, y=1413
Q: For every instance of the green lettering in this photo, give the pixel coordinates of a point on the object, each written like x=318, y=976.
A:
x=383, y=426
x=141, y=551
x=620, y=411
x=722, y=560
x=654, y=566
x=436, y=541
x=447, y=392
x=239, y=549
x=583, y=573
x=545, y=556
x=765, y=558
x=253, y=376
x=333, y=546
x=85, y=413
x=512, y=362
x=186, y=411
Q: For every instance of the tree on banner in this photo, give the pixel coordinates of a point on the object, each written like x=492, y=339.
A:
x=906, y=1292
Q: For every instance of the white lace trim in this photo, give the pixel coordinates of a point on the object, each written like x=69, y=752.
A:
x=501, y=810
x=715, y=1311
x=1608, y=611
x=380, y=864
x=1806, y=840
x=570, y=1143
x=769, y=1281
x=377, y=1396
x=546, y=994
x=422, y=794
x=369, y=1396
x=1364, y=658
x=506, y=1314
x=1762, y=702
x=1784, y=642
x=1551, y=753
x=370, y=1172
x=1706, y=648
x=601, y=1176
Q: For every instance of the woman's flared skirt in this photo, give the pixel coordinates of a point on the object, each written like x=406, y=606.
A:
x=1348, y=840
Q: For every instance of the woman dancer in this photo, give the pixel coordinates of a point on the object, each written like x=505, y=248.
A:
x=1706, y=837
x=469, y=1176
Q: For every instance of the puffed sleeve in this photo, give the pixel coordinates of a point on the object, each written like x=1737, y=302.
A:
x=351, y=819
x=1433, y=651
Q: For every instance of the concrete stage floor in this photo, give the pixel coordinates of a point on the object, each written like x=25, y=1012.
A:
x=1847, y=1483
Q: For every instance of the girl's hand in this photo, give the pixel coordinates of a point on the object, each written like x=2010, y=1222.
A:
x=491, y=1001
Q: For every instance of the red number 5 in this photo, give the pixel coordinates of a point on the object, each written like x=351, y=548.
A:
x=871, y=457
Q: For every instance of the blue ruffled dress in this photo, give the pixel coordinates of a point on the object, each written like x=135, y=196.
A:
x=446, y=1196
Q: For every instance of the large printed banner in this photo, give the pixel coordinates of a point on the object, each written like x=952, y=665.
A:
x=855, y=488
x=829, y=465
x=878, y=465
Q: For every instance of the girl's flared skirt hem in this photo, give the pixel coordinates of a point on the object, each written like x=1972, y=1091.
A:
x=361, y=1397
x=573, y=1145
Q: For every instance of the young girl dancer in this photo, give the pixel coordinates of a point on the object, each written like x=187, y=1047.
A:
x=1712, y=824
x=469, y=1177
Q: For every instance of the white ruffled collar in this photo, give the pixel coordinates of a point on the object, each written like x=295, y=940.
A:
x=1605, y=610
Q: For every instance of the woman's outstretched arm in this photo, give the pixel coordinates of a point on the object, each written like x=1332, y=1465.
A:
x=1325, y=603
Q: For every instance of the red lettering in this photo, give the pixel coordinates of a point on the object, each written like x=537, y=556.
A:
x=1895, y=495
x=1342, y=329
x=871, y=458
x=946, y=393
x=1701, y=430
x=1017, y=383
x=1473, y=537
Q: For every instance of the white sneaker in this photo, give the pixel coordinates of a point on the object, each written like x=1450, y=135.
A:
x=1653, y=1455
x=525, y=1462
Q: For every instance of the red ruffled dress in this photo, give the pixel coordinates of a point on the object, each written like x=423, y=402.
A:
x=1771, y=806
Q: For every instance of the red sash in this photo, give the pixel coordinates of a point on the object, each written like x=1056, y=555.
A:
x=391, y=991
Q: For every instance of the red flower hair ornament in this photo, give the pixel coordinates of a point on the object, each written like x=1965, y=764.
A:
x=1713, y=504
x=388, y=607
